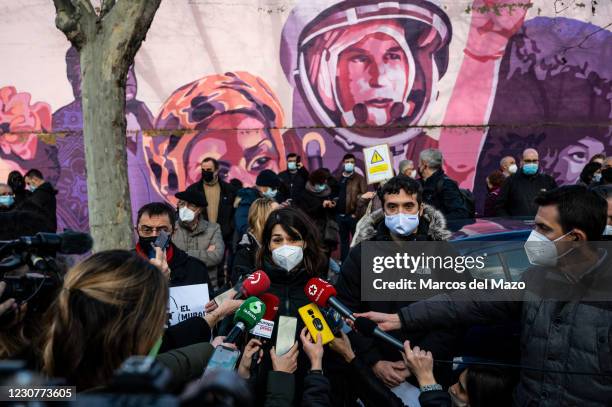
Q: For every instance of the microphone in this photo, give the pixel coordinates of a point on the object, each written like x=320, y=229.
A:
x=323, y=294
x=68, y=242
x=370, y=329
x=255, y=284
x=246, y=317
x=265, y=327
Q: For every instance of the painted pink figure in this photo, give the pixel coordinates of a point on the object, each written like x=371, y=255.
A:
x=366, y=72
x=474, y=90
x=234, y=118
x=22, y=126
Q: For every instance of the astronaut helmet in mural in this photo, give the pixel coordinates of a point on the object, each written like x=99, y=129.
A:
x=368, y=69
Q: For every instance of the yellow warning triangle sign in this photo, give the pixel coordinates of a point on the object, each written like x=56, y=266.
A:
x=376, y=158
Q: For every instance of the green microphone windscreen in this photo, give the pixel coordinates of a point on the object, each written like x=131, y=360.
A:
x=250, y=312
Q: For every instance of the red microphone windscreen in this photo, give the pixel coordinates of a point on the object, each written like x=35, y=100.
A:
x=255, y=284
x=318, y=291
x=272, y=302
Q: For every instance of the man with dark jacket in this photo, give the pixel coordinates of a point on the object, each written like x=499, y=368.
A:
x=220, y=198
x=403, y=217
x=351, y=186
x=180, y=268
x=518, y=192
x=565, y=311
x=440, y=191
x=43, y=196
x=294, y=177
x=267, y=185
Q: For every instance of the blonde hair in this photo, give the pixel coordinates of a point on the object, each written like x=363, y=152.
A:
x=112, y=306
x=259, y=211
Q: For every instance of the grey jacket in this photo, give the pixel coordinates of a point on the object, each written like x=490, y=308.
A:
x=196, y=243
x=555, y=336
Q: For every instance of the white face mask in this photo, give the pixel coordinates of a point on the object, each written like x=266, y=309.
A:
x=287, y=256
x=608, y=230
x=512, y=168
x=541, y=251
x=402, y=224
x=186, y=214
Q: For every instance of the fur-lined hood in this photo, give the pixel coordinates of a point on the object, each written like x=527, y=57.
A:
x=367, y=226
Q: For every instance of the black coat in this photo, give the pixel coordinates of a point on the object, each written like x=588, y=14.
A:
x=441, y=343
x=555, y=335
x=519, y=191
x=187, y=270
x=225, y=217
x=443, y=194
x=289, y=288
x=44, y=199
x=244, y=258
x=294, y=183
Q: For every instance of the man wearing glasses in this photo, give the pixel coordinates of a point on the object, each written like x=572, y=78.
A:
x=180, y=268
x=519, y=191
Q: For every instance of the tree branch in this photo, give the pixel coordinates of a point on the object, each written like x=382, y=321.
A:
x=84, y=6
x=126, y=26
x=107, y=5
x=67, y=21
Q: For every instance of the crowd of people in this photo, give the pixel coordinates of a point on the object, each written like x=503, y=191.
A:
x=301, y=224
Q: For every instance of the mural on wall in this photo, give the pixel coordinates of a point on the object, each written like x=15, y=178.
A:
x=23, y=126
x=234, y=118
x=479, y=83
x=72, y=187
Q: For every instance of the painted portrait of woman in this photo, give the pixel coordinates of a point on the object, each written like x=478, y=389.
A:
x=234, y=118
x=22, y=125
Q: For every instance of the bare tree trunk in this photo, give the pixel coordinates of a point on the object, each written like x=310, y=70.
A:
x=107, y=42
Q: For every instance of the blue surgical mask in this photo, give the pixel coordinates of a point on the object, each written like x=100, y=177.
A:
x=270, y=193
x=349, y=167
x=7, y=200
x=402, y=224
x=530, y=169
x=608, y=230
x=292, y=166
x=319, y=187
x=31, y=188
x=597, y=177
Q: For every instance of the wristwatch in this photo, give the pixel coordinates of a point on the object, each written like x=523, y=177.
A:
x=316, y=371
x=431, y=387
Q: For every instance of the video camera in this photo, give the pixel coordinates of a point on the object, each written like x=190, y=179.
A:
x=30, y=271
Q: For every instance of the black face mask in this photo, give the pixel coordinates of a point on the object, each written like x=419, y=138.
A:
x=208, y=176
x=146, y=244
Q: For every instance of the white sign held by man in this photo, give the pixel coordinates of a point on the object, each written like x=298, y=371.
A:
x=187, y=301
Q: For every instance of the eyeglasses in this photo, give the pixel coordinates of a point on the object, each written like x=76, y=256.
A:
x=150, y=230
x=534, y=161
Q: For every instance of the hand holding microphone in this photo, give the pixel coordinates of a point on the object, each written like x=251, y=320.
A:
x=252, y=354
x=254, y=284
x=324, y=294
x=246, y=317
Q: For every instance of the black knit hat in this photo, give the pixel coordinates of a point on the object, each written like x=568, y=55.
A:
x=268, y=178
x=196, y=198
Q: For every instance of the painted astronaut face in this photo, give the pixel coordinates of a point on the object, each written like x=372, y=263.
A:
x=372, y=79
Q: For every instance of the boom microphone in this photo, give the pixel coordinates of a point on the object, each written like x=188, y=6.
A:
x=369, y=328
x=255, y=284
x=68, y=242
x=323, y=294
x=246, y=317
